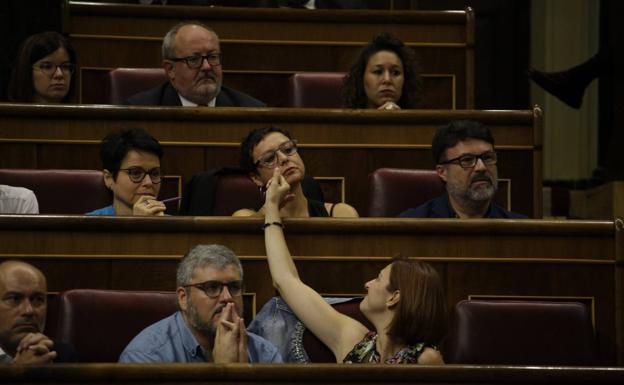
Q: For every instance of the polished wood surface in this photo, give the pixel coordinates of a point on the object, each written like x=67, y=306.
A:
x=347, y=144
x=515, y=259
x=260, y=56
x=118, y=374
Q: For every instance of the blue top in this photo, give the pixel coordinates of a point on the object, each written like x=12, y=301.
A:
x=440, y=207
x=170, y=340
x=108, y=210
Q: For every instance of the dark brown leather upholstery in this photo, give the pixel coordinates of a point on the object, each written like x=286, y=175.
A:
x=61, y=191
x=316, y=350
x=393, y=190
x=235, y=191
x=100, y=323
x=521, y=333
x=125, y=82
x=316, y=89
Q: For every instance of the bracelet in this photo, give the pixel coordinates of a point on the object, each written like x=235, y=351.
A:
x=279, y=224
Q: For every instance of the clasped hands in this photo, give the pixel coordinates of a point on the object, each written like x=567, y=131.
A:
x=148, y=205
x=389, y=106
x=34, y=348
x=230, y=343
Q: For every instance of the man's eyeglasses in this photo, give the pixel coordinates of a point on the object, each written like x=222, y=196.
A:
x=196, y=61
x=213, y=289
x=137, y=174
x=470, y=160
x=269, y=158
x=50, y=68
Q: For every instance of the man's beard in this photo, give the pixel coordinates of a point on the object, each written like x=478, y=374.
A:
x=207, y=328
x=474, y=196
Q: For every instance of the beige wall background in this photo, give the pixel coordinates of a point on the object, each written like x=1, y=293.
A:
x=564, y=33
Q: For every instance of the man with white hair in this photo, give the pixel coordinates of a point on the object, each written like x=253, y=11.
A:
x=192, y=59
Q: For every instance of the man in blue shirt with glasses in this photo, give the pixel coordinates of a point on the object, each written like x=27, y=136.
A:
x=209, y=326
x=466, y=162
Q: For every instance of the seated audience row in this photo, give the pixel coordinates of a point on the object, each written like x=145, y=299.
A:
x=385, y=75
x=464, y=154
x=209, y=325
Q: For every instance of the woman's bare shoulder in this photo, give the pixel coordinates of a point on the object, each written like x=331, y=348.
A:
x=342, y=210
x=246, y=213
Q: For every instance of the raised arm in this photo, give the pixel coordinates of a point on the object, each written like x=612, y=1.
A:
x=339, y=332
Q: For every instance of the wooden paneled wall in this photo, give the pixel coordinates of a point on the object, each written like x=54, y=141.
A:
x=262, y=48
x=339, y=147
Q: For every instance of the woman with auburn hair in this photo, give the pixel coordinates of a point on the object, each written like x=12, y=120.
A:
x=42, y=72
x=405, y=302
x=384, y=76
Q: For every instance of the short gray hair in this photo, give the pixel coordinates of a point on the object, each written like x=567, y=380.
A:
x=168, y=45
x=216, y=256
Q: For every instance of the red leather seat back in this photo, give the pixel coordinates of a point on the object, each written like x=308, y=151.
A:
x=61, y=191
x=316, y=89
x=125, y=82
x=521, y=333
x=393, y=190
x=235, y=191
x=100, y=323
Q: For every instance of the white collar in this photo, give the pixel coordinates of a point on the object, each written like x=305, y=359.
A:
x=188, y=103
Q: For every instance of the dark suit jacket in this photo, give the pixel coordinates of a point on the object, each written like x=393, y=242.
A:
x=440, y=207
x=166, y=95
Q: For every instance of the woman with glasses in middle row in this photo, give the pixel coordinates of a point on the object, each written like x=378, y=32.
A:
x=131, y=162
x=266, y=148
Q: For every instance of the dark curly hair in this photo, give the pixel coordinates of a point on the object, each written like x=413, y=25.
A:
x=34, y=48
x=353, y=94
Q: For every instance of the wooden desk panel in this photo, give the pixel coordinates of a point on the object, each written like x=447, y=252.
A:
x=313, y=374
x=113, y=35
x=334, y=143
x=564, y=260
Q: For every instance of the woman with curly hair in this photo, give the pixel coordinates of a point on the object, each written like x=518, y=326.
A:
x=384, y=76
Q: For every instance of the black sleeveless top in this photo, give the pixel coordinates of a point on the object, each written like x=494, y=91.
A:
x=317, y=209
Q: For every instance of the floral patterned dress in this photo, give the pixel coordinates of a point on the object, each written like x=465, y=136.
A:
x=365, y=352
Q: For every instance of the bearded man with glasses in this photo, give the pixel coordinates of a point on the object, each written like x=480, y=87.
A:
x=192, y=59
x=466, y=162
x=209, y=326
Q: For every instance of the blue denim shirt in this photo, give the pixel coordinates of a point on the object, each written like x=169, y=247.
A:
x=171, y=340
x=278, y=323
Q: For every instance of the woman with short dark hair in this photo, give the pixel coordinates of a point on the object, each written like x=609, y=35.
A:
x=42, y=72
x=131, y=163
x=268, y=148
